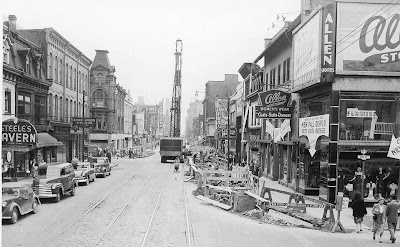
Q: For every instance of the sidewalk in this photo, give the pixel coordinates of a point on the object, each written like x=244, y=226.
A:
x=346, y=216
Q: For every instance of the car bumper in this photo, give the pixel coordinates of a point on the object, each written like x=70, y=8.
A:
x=47, y=195
x=81, y=180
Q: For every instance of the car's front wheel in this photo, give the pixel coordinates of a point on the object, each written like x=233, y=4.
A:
x=34, y=207
x=14, y=215
x=72, y=193
x=58, y=197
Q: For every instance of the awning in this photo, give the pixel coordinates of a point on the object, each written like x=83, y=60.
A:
x=46, y=140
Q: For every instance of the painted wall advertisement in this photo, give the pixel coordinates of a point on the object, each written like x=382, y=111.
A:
x=306, y=52
x=313, y=128
x=368, y=37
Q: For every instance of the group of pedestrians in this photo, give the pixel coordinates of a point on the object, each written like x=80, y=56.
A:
x=381, y=213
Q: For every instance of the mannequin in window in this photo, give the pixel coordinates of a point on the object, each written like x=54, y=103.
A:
x=393, y=187
x=379, y=182
x=357, y=180
x=371, y=186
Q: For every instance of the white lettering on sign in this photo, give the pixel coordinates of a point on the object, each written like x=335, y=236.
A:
x=275, y=99
x=313, y=128
x=329, y=25
x=394, y=149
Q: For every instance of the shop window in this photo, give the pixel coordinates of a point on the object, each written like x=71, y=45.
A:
x=7, y=102
x=315, y=106
x=375, y=177
x=373, y=119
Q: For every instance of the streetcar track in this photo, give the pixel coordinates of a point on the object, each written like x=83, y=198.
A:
x=93, y=205
x=101, y=235
x=154, y=211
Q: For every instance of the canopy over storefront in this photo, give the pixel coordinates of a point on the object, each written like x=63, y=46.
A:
x=46, y=140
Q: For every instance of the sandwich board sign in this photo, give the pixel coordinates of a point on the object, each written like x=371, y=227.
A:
x=394, y=149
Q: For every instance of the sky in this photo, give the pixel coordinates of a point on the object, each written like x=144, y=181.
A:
x=218, y=36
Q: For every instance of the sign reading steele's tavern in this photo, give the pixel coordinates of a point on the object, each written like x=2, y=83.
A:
x=18, y=132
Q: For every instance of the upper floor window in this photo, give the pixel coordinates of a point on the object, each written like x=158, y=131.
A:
x=99, y=98
x=56, y=70
x=7, y=102
x=50, y=66
x=24, y=104
x=27, y=64
x=6, y=51
x=66, y=76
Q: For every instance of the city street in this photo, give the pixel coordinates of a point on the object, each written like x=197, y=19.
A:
x=145, y=203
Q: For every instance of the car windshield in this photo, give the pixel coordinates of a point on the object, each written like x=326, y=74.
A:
x=53, y=172
x=10, y=191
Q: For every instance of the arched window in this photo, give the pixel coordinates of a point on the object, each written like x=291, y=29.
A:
x=99, y=74
x=6, y=51
x=61, y=109
x=79, y=82
x=100, y=98
x=56, y=107
x=75, y=79
x=66, y=76
x=61, y=69
x=50, y=111
x=66, y=110
x=56, y=70
x=50, y=71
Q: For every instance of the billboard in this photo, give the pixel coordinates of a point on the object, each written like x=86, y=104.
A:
x=368, y=40
x=306, y=52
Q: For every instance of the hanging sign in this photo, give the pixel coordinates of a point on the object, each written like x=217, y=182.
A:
x=18, y=132
x=354, y=112
x=394, y=149
x=269, y=128
x=275, y=104
x=313, y=128
x=285, y=128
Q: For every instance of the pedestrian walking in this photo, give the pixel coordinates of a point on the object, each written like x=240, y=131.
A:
x=379, y=212
x=35, y=167
x=391, y=213
x=359, y=210
x=108, y=155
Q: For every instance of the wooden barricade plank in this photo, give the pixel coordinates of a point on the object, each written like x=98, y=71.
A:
x=218, y=204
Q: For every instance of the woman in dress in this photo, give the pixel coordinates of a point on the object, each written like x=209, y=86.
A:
x=359, y=210
x=379, y=212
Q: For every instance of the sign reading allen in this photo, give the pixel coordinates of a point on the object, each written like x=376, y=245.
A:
x=18, y=132
x=274, y=104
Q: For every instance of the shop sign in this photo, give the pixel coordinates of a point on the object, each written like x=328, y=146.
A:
x=306, y=52
x=373, y=44
x=274, y=104
x=221, y=114
x=89, y=122
x=313, y=128
x=328, y=42
x=394, y=149
x=354, y=112
x=18, y=132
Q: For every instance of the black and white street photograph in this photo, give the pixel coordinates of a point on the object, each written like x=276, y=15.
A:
x=213, y=123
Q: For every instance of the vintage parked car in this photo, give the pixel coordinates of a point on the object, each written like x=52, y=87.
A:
x=101, y=166
x=58, y=180
x=84, y=173
x=18, y=199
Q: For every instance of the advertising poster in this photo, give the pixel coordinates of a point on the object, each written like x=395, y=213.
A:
x=306, y=52
x=313, y=128
x=221, y=115
x=368, y=40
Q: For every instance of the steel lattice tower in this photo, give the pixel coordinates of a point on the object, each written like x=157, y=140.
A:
x=175, y=130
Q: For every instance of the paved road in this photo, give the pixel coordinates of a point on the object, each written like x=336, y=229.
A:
x=145, y=203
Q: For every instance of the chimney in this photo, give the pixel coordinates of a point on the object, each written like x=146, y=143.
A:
x=12, y=22
x=266, y=42
x=307, y=6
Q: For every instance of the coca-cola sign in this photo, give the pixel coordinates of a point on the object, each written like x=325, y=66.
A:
x=274, y=104
x=368, y=41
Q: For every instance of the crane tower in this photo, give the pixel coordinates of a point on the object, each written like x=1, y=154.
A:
x=175, y=130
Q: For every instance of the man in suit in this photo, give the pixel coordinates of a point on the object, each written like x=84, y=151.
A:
x=391, y=214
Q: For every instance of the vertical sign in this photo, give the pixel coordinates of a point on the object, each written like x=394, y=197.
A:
x=328, y=42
